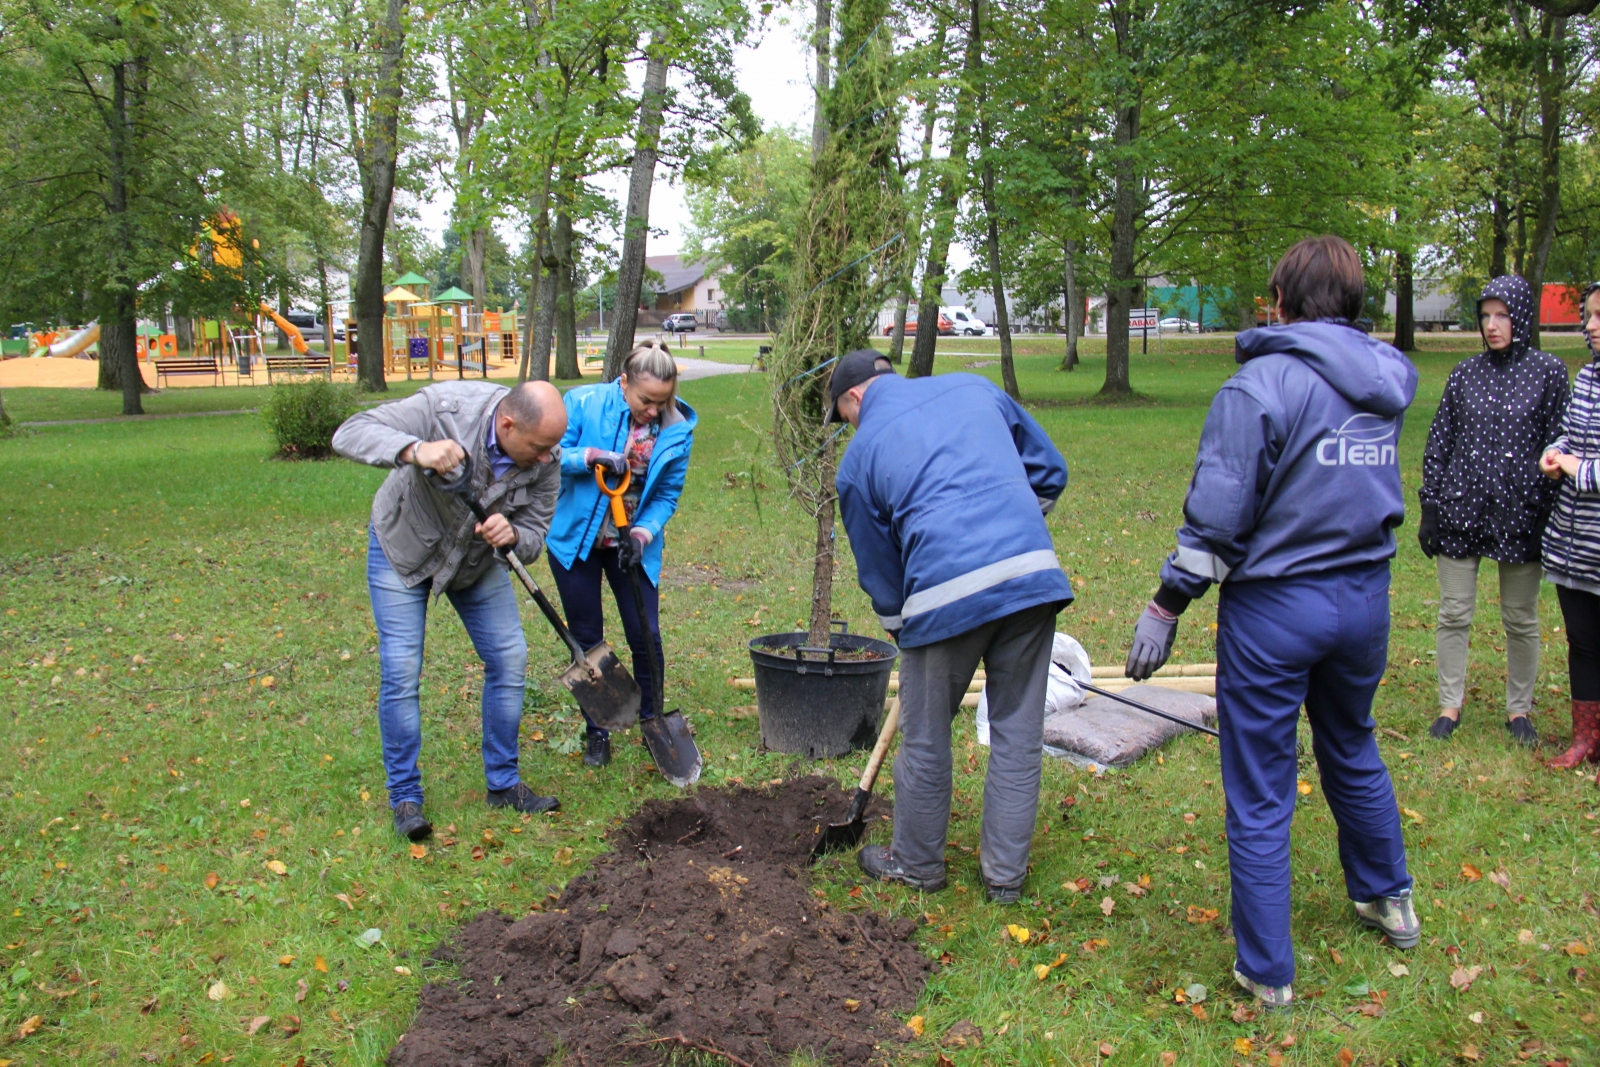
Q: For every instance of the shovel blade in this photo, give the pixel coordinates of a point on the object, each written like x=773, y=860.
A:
x=604, y=689
x=672, y=748
x=845, y=834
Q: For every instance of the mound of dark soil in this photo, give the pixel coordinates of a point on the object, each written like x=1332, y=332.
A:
x=697, y=930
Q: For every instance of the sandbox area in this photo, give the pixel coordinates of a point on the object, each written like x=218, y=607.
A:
x=698, y=929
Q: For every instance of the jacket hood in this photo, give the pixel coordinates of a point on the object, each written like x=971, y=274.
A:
x=1518, y=297
x=1372, y=375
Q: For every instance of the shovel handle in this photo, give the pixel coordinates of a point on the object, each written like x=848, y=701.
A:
x=1157, y=712
x=891, y=721
x=619, y=514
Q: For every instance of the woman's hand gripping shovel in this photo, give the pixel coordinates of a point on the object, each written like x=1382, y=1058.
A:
x=666, y=734
x=596, y=679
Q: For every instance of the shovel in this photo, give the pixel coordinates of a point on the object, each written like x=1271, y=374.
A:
x=666, y=733
x=596, y=679
x=846, y=834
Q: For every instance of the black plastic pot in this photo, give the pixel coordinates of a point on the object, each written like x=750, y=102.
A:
x=814, y=704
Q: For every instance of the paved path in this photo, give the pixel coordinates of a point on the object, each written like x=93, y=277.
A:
x=140, y=418
x=690, y=368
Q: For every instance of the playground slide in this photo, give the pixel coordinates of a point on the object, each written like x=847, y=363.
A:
x=296, y=342
x=73, y=345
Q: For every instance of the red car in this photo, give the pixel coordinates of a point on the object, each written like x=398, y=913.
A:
x=946, y=327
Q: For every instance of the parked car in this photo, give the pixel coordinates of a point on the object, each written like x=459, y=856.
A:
x=680, y=322
x=1177, y=325
x=311, y=328
x=964, y=323
x=946, y=327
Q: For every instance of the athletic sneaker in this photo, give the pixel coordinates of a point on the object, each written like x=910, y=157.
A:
x=1003, y=894
x=520, y=798
x=1395, y=917
x=1271, y=997
x=597, y=752
x=876, y=861
x=409, y=822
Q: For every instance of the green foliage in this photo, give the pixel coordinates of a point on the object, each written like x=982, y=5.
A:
x=302, y=416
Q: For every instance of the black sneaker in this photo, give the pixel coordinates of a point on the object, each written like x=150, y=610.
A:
x=1443, y=727
x=520, y=798
x=409, y=823
x=1522, y=732
x=1003, y=894
x=598, y=752
x=876, y=861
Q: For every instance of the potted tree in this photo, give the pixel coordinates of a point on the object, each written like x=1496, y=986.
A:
x=820, y=692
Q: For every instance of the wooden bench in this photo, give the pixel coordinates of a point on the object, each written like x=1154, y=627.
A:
x=166, y=368
x=309, y=363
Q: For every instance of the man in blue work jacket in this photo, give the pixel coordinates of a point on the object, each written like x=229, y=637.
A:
x=944, y=491
x=1292, y=510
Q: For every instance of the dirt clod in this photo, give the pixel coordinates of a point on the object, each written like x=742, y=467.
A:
x=697, y=930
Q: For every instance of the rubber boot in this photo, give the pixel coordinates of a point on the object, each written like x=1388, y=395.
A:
x=1585, y=736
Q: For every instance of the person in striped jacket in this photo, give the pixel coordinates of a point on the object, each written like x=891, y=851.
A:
x=1572, y=543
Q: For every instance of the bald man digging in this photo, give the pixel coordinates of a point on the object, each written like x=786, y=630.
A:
x=423, y=540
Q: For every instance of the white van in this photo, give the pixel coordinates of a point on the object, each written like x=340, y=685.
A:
x=966, y=323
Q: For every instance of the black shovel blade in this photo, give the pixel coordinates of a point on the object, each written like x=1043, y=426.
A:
x=604, y=689
x=672, y=748
x=845, y=834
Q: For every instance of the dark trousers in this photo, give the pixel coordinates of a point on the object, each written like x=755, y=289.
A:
x=579, y=587
x=1321, y=640
x=1581, y=613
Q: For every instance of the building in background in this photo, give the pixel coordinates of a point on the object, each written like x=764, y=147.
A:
x=683, y=287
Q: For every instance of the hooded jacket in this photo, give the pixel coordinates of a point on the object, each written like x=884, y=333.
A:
x=1480, y=470
x=1572, y=536
x=1298, y=468
x=944, y=490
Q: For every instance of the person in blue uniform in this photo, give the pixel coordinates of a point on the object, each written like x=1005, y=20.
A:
x=1291, y=513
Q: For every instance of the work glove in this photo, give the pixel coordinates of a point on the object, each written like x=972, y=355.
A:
x=1428, y=530
x=630, y=550
x=614, y=462
x=1152, y=642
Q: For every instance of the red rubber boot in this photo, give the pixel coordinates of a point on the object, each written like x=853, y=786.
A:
x=1585, y=736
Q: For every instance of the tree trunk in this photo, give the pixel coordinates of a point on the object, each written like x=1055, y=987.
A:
x=375, y=160
x=283, y=309
x=1405, y=323
x=566, y=319
x=1551, y=77
x=919, y=207
x=324, y=307
x=1124, y=231
x=822, y=44
x=997, y=284
x=119, y=353
x=952, y=183
x=822, y=579
x=183, y=326
x=1072, y=301
x=636, y=228
x=5, y=420
x=476, y=248
x=542, y=315
x=897, y=339
x=119, y=356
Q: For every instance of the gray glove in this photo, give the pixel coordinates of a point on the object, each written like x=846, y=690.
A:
x=1152, y=642
x=614, y=462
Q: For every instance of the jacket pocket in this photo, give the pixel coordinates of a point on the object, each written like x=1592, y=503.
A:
x=1460, y=500
x=414, y=533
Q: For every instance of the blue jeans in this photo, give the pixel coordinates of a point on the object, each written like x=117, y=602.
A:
x=1321, y=640
x=489, y=612
x=580, y=600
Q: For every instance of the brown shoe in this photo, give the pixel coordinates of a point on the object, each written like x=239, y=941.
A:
x=1585, y=736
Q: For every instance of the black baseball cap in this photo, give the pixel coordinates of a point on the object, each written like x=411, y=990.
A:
x=852, y=369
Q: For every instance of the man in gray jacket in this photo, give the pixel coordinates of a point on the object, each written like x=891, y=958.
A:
x=424, y=540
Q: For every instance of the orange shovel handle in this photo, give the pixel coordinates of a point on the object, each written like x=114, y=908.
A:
x=619, y=515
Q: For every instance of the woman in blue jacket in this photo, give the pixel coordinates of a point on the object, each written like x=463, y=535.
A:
x=636, y=423
x=1291, y=512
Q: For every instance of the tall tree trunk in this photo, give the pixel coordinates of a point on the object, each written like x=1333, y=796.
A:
x=1405, y=322
x=183, y=326
x=952, y=183
x=897, y=338
x=542, y=315
x=283, y=309
x=375, y=161
x=1072, y=301
x=997, y=283
x=5, y=420
x=1124, y=286
x=475, y=249
x=1499, y=234
x=821, y=621
x=324, y=307
x=822, y=41
x=1551, y=77
x=566, y=318
x=930, y=113
x=119, y=354
x=636, y=228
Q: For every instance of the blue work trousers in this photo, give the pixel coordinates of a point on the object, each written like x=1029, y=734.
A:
x=488, y=610
x=1320, y=640
x=579, y=587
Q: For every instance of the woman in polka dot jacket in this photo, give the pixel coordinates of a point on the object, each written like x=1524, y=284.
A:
x=1482, y=495
x=1572, y=543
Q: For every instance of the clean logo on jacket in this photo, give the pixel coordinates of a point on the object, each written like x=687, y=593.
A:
x=1365, y=440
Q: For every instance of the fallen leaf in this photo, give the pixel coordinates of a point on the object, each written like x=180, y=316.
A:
x=1476, y=1017
x=370, y=936
x=851, y=1006
x=1470, y=873
x=1399, y=970
x=1415, y=816
x=563, y=855
x=1199, y=1012
x=256, y=1024
x=290, y=1025
x=212, y=880
x=1106, y=1050
x=1196, y=993
x=477, y=852
x=29, y=1025
x=1501, y=879
x=1304, y=787
x=537, y=735
x=1372, y=1009
x=285, y=960
x=1346, y=1057
x=941, y=1060
x=1168, y=1058
x=418, y=851
x=1020, y=934
x=1041, y=971
x=219, y=991
x=268, y=681
x=1462, y=977
x=149, y=1006
x=1337, y=958
x=1287, y=1042
x=916, y=1024
x=1243, y=1046
x=1577, y=948
x=1274, y=1058
x=1107, y=906
x=278, y=868
x=344, y=898
x=1201, y=915
x=1243, y=1013
x=1524, y=937
x=320, y=964
x=963, y=1035
x=405, y=972
x=1469, y=1053
x=1357, y=989
x=301, y=989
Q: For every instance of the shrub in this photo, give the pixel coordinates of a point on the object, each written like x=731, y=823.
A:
x=303, y=416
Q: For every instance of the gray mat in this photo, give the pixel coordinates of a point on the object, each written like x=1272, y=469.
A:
x=1106, y=733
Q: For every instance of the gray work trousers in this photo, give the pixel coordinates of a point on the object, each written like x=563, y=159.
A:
x=1015, y=651
x=1519, y=612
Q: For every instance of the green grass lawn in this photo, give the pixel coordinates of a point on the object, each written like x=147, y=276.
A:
x=193, y=829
